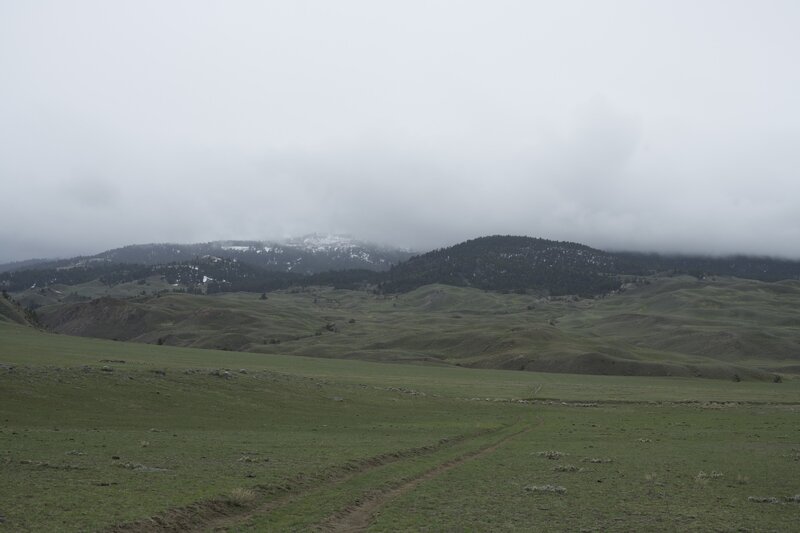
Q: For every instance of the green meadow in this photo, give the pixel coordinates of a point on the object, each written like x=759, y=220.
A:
x=116, y=436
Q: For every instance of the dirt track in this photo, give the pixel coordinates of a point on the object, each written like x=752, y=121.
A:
x=219, y=514
x=359, y=516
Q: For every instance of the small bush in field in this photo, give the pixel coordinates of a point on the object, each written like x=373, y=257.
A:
x=241, y=497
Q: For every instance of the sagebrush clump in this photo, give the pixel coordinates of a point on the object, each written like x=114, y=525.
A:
x=566, y=468
x=241, y=497
x=763, y=499
x=554, y=489
x=597, y=460
x=551, y=454
x=703, y=477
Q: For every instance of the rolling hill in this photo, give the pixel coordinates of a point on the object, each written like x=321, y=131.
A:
x=525, y=263
x=11, y=311
x=674, y=326
x=509, y=263
x=494, y=302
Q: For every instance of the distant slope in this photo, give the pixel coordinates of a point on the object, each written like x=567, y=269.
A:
x=21, y=265
x=213, y=267
x=305, y=255
x=206, y=275
x=558, y=268
x=499, y=263
x=664, y=327
x=740, y=266
x=11, y=311
x=109, y=318
x=509, y=263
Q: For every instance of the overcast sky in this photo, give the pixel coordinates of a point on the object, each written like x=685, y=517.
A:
x=666, y=126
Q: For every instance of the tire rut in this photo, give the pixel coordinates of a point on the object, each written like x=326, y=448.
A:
x=218, y=514
x=359, y=516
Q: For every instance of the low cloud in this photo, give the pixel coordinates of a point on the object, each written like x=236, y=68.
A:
x=91, y=192
x=421, y=126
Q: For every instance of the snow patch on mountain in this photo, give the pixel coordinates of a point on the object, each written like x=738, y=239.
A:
x=317, y=243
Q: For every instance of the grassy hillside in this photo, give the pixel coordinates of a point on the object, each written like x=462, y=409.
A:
x=103, y=435
x=722, y=328
x=11, y=311
x=59, y=293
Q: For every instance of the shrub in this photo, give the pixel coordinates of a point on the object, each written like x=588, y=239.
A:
x=554, y=489
x=551, y=454
x=703, y=478
x=566, y=468
x=763, y=499
x=241, y=497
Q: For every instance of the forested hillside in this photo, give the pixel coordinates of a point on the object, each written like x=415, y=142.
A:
x=500, y=263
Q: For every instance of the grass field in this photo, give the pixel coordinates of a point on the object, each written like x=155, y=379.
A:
x=103, y=435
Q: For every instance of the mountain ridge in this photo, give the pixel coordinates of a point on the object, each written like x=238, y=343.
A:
x=497, y=262
x=308, y=254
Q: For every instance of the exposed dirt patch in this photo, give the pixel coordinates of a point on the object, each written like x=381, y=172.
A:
x=105, y=318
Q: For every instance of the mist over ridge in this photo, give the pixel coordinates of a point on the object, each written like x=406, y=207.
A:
x=656, y=128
